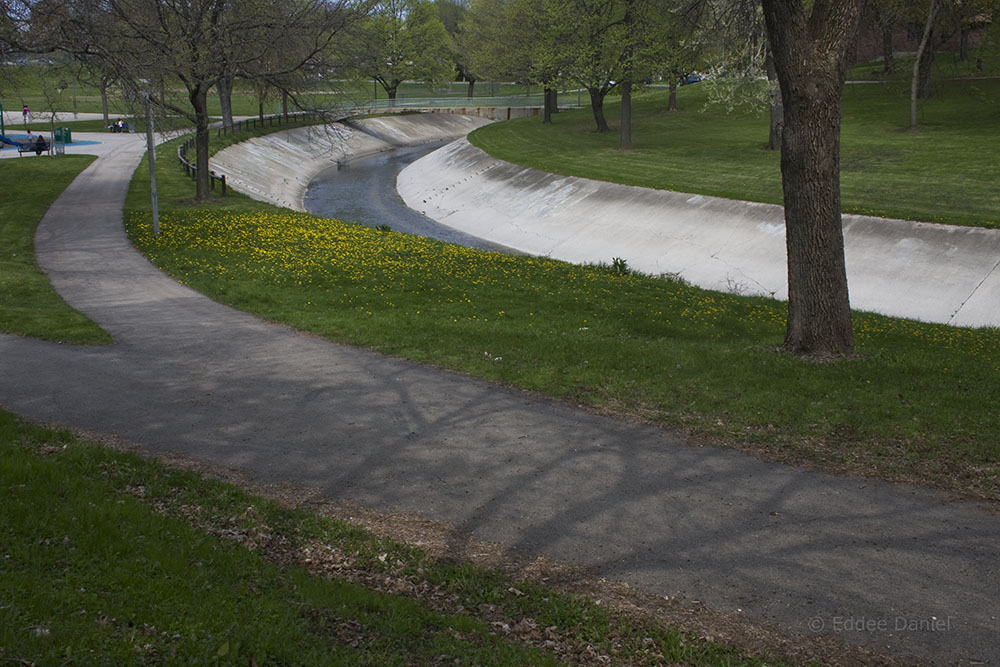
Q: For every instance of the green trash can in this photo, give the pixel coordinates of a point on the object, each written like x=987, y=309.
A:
x=67, y=135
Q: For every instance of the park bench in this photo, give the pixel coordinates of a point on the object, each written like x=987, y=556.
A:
x=33, y=148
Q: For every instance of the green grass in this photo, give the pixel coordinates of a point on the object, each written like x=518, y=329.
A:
x=635, y=346
x=109, y=558
x=943, y=172
x=28, y=304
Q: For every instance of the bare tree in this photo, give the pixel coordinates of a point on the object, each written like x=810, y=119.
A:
x=147, y=43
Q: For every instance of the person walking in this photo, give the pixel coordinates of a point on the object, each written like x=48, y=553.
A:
x=27, y=113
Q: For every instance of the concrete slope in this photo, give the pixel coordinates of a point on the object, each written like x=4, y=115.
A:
x=277, y=168
x=935, y=273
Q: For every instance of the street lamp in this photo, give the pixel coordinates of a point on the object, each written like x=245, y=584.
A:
x=151, y=153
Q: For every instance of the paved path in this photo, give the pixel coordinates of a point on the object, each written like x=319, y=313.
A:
x=801, y=549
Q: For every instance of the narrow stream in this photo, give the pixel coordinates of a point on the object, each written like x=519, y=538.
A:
x=364, y=190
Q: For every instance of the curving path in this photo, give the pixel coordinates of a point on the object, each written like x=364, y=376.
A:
x=800, y=549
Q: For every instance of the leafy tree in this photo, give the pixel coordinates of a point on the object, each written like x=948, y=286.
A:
x=505, y=40
x=452, y=14
x=488, y=38
x=744, y=62
x=403, y=40
x=588, y=42
x=147, y=44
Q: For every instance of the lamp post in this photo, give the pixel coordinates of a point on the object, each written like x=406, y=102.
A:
x=151, y=154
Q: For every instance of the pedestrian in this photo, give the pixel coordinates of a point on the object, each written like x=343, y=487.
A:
x=26, y=112
x=40, y=145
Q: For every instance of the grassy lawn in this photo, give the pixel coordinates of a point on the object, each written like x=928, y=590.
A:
x=28, y=304
x=110, y=558
x=943, y=172
x=634, y=346
x=113, y=558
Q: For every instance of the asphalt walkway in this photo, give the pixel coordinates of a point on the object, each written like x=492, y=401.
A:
x=888, y=566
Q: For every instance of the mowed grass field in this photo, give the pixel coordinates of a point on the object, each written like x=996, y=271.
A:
x=112, y=558
x=944, y=171
x=634, y=346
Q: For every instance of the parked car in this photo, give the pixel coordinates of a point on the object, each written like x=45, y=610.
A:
x=693, y=77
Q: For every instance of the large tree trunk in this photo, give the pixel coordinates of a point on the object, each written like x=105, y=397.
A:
x=224, y=86
x=810, y=56
x=547, y=107
x=597, y=107
x=199, y=101
x=471, y=90
x=625, y=131
x=672, y=100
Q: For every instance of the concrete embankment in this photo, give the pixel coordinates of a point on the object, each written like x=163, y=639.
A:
x=278, y=167
x=929, y=272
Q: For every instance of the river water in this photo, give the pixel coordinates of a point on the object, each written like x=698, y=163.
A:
x=364, y=190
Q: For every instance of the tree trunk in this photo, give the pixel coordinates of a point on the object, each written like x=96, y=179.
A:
x=925, y=64
x=554, y=101
x=224, y=86
x=199, y=101
x=260, y=110
x=810, y=56
x=625, y=131
x=471, y=91
x=104, y=100
x=672, y=100
x=777, y=124
x=963, y=43
x=915, y=83
x=547, y=107
x=597, y=107
x=888, y=55
x=284, y=104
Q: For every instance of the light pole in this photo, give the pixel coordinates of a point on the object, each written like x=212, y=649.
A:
x=151, y=154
